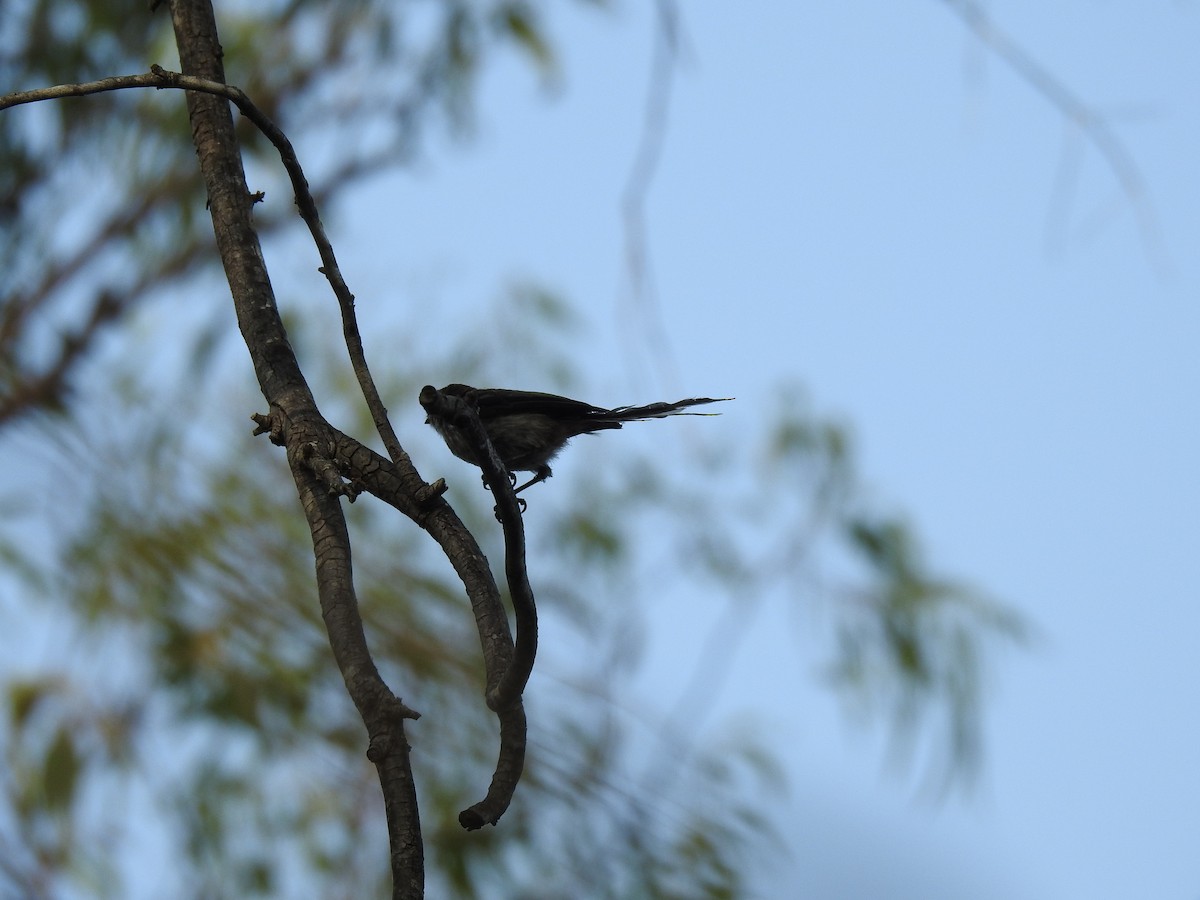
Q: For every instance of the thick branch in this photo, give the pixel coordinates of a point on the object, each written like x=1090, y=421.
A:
x=380, y=709
x=302, y=427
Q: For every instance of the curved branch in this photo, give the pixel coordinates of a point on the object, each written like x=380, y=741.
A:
x=506, y=670
x=507, y=689
x=509, y=766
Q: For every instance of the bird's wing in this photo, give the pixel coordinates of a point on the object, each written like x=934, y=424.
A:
x=494, y=403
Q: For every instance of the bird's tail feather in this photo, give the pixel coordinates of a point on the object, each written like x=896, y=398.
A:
x=661, y=410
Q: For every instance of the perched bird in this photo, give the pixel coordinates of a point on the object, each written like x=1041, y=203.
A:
x=528, y=428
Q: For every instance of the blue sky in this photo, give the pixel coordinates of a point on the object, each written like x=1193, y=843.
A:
x=861, y=198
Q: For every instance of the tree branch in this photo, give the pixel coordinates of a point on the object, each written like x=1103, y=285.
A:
x=506, y=670
x=641, y=297
x=297, y=421
x=507, y=688
x=46, y=388
x=1094, y=126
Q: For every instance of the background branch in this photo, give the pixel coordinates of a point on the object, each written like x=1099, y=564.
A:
x=1094, y=126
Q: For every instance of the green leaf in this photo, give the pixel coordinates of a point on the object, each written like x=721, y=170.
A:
x=24, y=697
x=520, y=22
x=61, y=772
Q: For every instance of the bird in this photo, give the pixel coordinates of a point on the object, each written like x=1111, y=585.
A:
x=529, y=428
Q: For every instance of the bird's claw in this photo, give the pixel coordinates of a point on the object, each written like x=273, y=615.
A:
x=521, y=507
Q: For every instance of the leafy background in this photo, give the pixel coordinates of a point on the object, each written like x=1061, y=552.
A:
x=852, y=218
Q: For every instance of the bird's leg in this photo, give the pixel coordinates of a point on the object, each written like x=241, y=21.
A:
x=522, y=505
x=541, y=473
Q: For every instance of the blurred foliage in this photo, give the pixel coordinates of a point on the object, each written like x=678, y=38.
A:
x=187, y=711
x=189, y=577
x=200, y=678
x=357, y=85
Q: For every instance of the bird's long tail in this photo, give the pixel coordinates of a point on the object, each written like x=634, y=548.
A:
x=661, y=410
